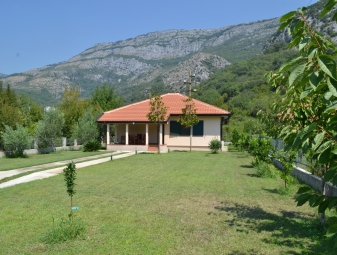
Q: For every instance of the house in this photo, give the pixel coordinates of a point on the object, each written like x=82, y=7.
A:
x=133, y=130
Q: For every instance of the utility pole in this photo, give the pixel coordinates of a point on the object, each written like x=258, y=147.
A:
x=191, y=77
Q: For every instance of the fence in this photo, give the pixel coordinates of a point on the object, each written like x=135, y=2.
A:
x=61, y=143
x=278, y=144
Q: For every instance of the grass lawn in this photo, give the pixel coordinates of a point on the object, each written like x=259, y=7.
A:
x=174, y=203
x=38, y=159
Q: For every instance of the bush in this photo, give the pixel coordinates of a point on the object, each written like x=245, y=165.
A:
x=92, y=145
x=66, y=230
x=266, y=170
x=214, y=145
x=86, y=129
x=16, y=141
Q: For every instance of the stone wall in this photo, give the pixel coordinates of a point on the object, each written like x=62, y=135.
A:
x=310, y=179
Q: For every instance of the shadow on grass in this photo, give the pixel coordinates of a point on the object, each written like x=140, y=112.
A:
x=253, y=175
x=246, y=166
x=291, y=229
x=273, y=191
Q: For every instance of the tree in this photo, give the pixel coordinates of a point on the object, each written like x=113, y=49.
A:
x=104, y=99
x=16, y=140
x=10, y=114
x=308, y=109
x=157, y=113
x=104, y=96
x=189, y=117
x=49, y=128
x=69, y=177
x=73, y=108
x=31, y=112
x=86, y=129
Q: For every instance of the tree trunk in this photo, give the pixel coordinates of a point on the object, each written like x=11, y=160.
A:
x=158, y=127
x=191, y=131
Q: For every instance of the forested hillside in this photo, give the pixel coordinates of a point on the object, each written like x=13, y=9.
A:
x=241, y=88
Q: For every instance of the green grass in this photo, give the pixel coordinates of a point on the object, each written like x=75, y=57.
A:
x=174, y=203
x=38, y=159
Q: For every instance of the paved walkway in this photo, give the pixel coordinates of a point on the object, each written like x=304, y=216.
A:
x=57, y=167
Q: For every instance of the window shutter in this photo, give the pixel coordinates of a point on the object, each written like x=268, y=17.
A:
x=174, y=128
x=198, y=129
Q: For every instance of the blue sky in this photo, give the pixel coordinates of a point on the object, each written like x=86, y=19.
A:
x=35, y=33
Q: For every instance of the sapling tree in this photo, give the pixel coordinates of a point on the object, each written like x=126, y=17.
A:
x=157, y=113
x=69, y=178
x=189, y=116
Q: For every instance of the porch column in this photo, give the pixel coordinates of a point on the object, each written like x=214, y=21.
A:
x=116, y=133
x=160, y=134
x=126, y=134
x=107, y=134
x=147, y=134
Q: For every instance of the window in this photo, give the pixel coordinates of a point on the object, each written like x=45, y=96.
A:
x=179, y=130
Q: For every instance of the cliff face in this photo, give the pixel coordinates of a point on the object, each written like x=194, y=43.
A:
x=325, y=26
x=169, y=55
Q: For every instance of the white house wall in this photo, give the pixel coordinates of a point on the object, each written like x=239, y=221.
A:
x=211, y=131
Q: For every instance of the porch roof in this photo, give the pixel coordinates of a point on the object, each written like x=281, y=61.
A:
x=137, y=112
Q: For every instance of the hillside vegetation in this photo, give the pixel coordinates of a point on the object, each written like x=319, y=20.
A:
x=241, y=88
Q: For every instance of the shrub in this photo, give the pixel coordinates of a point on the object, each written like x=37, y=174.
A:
x=266, y=170
x=214, y=145
x=16, y=141
x=92, y=145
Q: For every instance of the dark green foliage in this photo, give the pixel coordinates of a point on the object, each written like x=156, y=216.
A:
x=241, y=88
x=9, y=108
x=276, y=47
x=235, y=136
x=72, y=107
x=214, y=145
x=105, y=97
x=69, y=177
x=87, y=128
x=49, y=128
x=92, y=145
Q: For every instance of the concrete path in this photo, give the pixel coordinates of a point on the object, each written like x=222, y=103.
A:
x=84, y=162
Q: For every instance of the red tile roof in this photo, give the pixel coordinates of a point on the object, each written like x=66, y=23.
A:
x=137, y=112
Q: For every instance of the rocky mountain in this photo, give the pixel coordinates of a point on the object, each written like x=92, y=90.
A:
x=2, y=75
x=165, y=57
x=325, y=26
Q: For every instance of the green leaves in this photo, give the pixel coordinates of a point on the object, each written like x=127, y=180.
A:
x=332, y=84
x=189, y=117
x=317, y=141
x=158, y=110
x=328, y=65
x=328, y=7
x=287, y=16
x=309, y=105
x=303, y=135
x=296, y=73
x=302, y=199
x=69, y=178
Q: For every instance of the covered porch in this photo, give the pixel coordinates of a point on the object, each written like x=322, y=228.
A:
x=135, y=137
